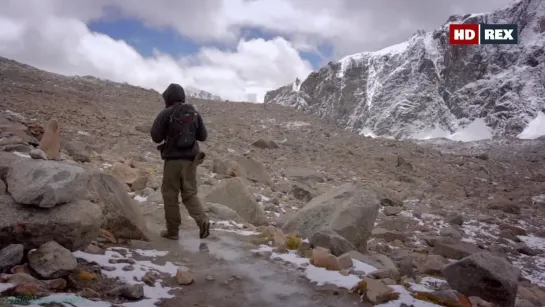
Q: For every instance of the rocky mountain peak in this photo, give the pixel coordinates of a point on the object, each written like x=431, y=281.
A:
x=424, y=87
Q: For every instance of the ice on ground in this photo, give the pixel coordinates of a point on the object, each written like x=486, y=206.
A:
x=535, y=128
x=140, y=199
x=233, y=227
x=540, y=199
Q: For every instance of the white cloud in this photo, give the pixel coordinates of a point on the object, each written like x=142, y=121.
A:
x=52, y=34
x=66, y=46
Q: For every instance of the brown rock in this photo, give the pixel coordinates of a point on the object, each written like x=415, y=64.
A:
x=51, y=141
x=376, y=292
x=135, y=178
x=345, y=261
x=513, y=229
x=456, y=250
x=265, y=144
x=433, y=265
x=184, y=277
x=321, y=258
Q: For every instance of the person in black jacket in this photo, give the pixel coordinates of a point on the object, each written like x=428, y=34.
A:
x=179, y=127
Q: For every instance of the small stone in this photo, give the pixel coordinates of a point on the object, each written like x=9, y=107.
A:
x=128, y=268
x=10, y=256
x=184, y=277
x=131, y=292
x=22, y=268
x=108, y=268
x=451, y=233
x=51, y=260
x=321, y=258
x=345, y=261
x=85, y=275
x=210, y=278
x=93, y=249
x=38, y=154
x=455, y=219
x=390, y=211
x=89, y=293
x=526, y=250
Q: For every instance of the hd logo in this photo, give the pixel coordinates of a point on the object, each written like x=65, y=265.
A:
x=481, y=34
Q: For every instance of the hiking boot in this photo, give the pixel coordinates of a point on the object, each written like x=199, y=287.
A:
x=204, y=229
x=169, y=235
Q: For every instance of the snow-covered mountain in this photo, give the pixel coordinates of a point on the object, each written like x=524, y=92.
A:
x=424, y=87
x=197, y=93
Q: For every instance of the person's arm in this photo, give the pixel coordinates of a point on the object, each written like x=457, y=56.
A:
x=159, y=128
x=201, y=134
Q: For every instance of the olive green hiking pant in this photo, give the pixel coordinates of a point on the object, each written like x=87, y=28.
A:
x=180, y=177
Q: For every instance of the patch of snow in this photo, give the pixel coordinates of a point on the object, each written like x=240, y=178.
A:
x=534, y=129
x=318, y=275
x=140, y=199
x=476, y=131
x=405, y=298
x=84, y=133
x=533, y=242
x=5, y=286
x=296, y=124
x=15, y=114
x=433, y=282
x=152, y=294
x=239, y=231
x=20, y=154
x=150, y=253
x=367, y=133
x=540, y=199
x=141, y=267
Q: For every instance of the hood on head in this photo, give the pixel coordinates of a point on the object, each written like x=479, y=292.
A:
x=173, y=94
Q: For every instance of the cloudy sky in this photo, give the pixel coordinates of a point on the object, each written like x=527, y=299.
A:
x=231, y=48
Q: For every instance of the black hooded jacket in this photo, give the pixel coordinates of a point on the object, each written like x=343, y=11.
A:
x=173, y=95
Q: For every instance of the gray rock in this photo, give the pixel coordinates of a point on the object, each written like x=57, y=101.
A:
x=389, y=211
x=45, y=183
x=455, y=219
x=224, y=212
x=349, y=210
x=451, y=233
x=455, y=250
x=303, y=191
x=73, y=225
x=304, y=175
x=120, y=213
x=11, y=256
x=486, y=276
x=131, y=292
x=77, y=151
x=38, y=154
x=234, y=194
x=329, y=239
x=51, y=260
x=2, y=187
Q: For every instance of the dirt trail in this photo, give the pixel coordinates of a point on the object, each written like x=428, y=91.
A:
x=240, y=278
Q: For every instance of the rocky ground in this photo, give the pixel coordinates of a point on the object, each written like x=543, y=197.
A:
x=305, y=214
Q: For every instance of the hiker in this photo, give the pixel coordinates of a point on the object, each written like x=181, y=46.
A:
x=178, y=128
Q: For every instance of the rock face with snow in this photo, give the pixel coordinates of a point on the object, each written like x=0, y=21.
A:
x=200, y=94
x=426, y=87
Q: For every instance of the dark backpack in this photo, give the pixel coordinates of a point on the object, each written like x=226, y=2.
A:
x=183, y=126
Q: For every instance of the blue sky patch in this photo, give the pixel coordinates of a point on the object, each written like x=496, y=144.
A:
x=145, y=39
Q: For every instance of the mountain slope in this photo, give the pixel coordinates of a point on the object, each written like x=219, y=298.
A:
x=425, y=87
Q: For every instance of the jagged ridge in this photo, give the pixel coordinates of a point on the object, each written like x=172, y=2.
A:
x=425, y=85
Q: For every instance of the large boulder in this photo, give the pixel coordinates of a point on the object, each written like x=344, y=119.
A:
x=486, y=276
x=234, y=194
x=242, y=166
x=45, y=183
x=348, y=210
x=120, y=214
x=73, y=225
